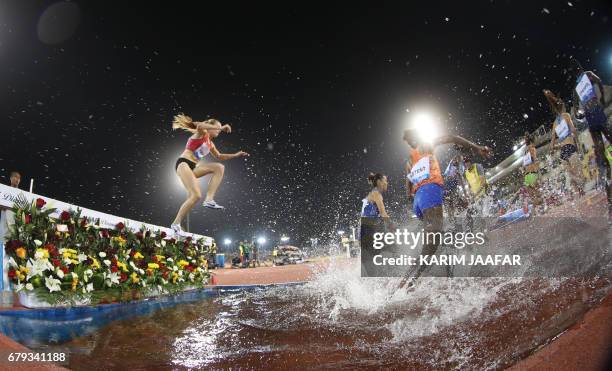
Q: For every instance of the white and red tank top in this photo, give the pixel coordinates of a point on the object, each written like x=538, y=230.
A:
x=200, y=147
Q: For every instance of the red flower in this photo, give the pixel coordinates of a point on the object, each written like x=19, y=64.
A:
x=162, y=266
x=114, y=269
x=65, y=270
x=149, y=272
x=83, y=222
x=154, y=258
x=165, y=275
x=120, y=226
x=189, y=268
x=40, y=203
x=28, y=218
x=104, y=233
x=124, y=277
x=65, y=216
x=163, y=234
x=11, y=274
x=139, y=235
x=173, y=240
x=51, y=249
x=132, y=252
x=56, y=262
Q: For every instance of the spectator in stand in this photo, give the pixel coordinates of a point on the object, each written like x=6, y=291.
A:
x=15, y=179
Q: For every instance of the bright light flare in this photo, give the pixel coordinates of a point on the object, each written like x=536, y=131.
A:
x=284, y=239
x=261, y=240
x=426, y=126
x=227, y=241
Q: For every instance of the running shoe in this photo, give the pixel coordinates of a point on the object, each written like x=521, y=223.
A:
x=212, y=205
x=177, y=229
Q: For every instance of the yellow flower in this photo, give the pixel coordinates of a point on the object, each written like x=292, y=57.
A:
x=43, y=252
x=23, y=269
x=138, y=255
x=153, y=266
x=123, y=266
x=21, y=252
x=95, y=263
x=182, y=263
x=160, y=257
x=135, y=277
x=175, y=277
x=120, y=240
x=75, y=282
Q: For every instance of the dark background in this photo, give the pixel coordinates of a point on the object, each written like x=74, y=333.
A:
x=318, y=94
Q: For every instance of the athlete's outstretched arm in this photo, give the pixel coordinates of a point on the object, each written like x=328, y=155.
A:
x=460, y=141
x=226, y=156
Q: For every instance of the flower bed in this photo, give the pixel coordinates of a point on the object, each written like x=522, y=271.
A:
x=72, y=260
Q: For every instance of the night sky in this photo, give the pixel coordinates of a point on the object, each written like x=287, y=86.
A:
x=318, y=95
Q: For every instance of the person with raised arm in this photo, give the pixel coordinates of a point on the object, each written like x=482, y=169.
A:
x=190, y=165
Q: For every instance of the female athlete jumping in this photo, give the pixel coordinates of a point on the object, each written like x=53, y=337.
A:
x=189, y=166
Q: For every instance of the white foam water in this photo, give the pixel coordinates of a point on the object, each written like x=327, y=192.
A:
x=432, y=304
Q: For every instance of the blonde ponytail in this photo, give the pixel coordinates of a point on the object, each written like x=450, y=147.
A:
x=184, y=122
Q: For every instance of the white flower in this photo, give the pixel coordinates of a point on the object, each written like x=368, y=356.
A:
x=74, y=276
x=169, y=259
x=141, y=271
x=67, y=261
x=107, y=262
x=89, y=287
x=163, y=243
x=38, y=243
x=53, y=284
x=112, y=278
x=29, y=287
x=102, y=254
x=81, y=257
x=39, y=255
x=191, y=276
x=12, y=262
x=60, y=273
x=19, y=287
x=37, y=267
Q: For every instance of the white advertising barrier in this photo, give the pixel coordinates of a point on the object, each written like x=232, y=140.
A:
x=8, y=195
